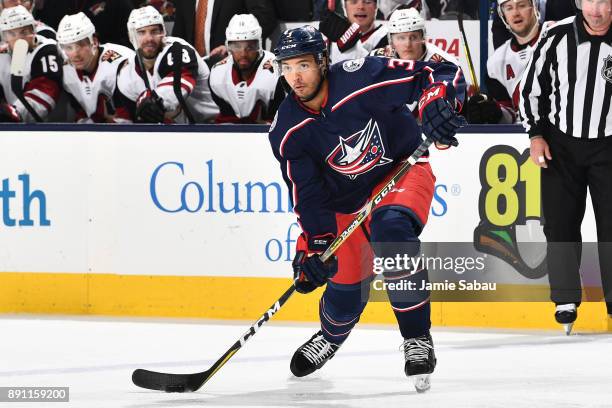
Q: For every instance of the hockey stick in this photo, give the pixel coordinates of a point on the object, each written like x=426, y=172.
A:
x=18, y=61
x=145, y=76
x=466, y=48
x=367, y=208
x=192, y=382
x=143, y=71
x=176, y=81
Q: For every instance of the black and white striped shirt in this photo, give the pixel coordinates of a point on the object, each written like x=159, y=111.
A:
x=568, y=83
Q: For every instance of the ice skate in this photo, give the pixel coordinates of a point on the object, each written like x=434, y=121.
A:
x=420, y=360
x=312, y=355
x=566, y=315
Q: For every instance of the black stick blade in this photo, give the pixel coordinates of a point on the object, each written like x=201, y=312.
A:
x=153, y=380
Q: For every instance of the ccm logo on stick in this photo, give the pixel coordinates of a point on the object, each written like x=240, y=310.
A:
x=253, y=329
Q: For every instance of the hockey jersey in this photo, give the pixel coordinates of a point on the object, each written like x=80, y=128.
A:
x=194, y=81
x=95, y=94
x=432, y=53
x=42, y=79
x=44, y=30
x=332, y=159
x=252, y=101
x=505, y=69
x=376, y=38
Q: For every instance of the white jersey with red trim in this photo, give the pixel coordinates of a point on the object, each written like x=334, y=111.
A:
x=194, y=81
x=42, y=79
x=239, y=99
x=94, y=92
x=505, y=69
x=376, y=38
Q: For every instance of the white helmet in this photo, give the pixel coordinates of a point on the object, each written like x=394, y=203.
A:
x=143, y=17
x=503, y=18
x=16, y=17
x=243, y=27
x=75, y=27
x=405, y=21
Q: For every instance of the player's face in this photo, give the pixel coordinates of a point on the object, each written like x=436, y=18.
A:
x=302, y=74
x=520, y=16
x=22, y=33
x=82, y=54
x=410, y=45
x=244, y=53
x=362, y=12
x=597, y=13
x=150, y=40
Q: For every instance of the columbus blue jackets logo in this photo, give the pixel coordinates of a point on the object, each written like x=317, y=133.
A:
x=353, y=65
x=359, y=152
x=606, y=70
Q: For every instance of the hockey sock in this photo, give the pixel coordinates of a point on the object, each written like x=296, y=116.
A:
x=339, y=310
x=394, y=232
x=410, y=302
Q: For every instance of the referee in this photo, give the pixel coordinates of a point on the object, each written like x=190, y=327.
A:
x=565, y=105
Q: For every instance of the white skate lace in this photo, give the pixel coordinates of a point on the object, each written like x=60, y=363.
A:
x=318, y=350
x=416, y=349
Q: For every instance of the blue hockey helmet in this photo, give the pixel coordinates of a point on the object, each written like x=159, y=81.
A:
x=301, y=41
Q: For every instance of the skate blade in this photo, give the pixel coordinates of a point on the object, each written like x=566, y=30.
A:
x=421, y=382
x=568, y=328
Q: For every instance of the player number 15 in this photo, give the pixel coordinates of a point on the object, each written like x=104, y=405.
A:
x=49, y=63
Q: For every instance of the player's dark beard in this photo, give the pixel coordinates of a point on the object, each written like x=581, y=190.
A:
x=525, y=32
x=315, y=92
x=528, y=30
x=152, y=55
x=246, y=72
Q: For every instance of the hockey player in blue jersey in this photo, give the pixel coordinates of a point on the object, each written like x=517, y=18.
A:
x=338, y=136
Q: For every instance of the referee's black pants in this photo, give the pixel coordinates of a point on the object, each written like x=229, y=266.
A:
x=576, y=164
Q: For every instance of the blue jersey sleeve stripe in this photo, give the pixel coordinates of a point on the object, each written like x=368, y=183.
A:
x=289, y=132
x=369, y=88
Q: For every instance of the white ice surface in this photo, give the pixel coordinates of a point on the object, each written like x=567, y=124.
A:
x=95, y=358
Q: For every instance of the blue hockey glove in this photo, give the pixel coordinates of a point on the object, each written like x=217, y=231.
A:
x=309, y=272
x=438, y=118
